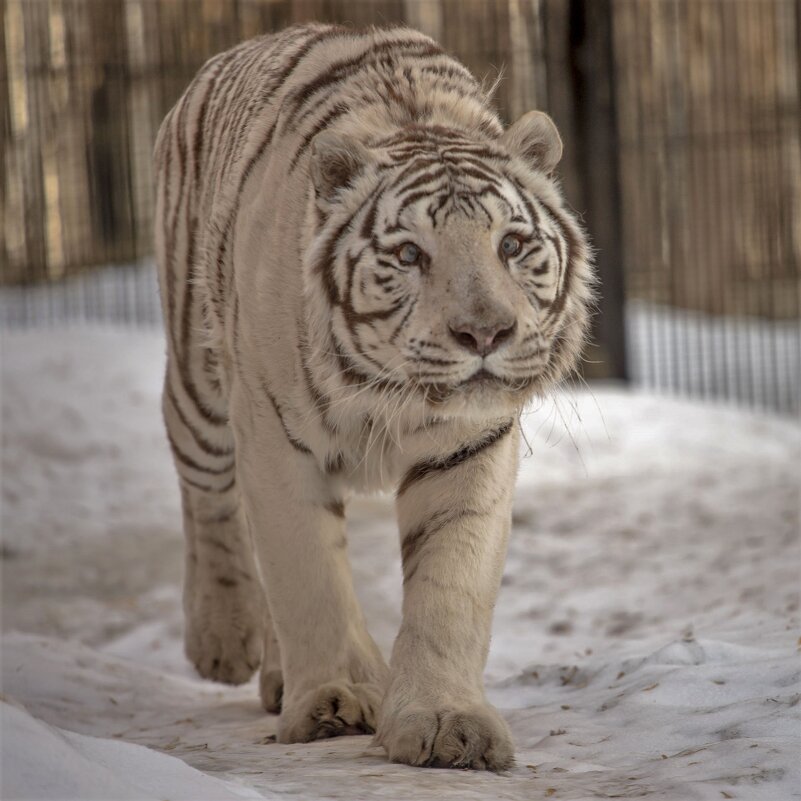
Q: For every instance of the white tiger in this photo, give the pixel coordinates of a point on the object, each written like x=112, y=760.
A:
x=364, y=279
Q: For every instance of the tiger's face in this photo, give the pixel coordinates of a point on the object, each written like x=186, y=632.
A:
x=451, y=264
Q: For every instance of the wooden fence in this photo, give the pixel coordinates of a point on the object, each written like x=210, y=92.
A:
x=708, y=108
x=680, y=119
x=88, y=81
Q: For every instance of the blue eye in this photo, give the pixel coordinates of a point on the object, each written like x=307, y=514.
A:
x=408, y=253
x=511, y=245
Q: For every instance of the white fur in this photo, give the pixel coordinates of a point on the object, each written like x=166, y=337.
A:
x=297, y=370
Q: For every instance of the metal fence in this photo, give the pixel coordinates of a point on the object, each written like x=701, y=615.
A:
x=682, y=138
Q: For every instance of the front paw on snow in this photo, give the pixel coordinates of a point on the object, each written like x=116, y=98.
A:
x=474, y=737
x=331, y=710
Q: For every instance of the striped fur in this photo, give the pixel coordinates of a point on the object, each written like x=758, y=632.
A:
x=364, y=278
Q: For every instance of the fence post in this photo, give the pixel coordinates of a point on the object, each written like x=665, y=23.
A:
x=597, y=158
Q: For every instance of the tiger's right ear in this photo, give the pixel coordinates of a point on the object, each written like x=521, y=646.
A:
x=535, y=139
x=335, y=162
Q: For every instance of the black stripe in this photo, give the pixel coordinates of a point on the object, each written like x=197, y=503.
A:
x=200, y=130
x=339, y=71
x=534, y=217
x=338, y=110
x=336, y=508
x=411, y=544
x=473, y=203
x=296, y=443
x=402, y=323
x=452, y=70
x=425, y=468
x=439, y=362
x=476, y=153
x=421, y=194
x=184, y=361
x=335, y=463
x=278, y=81
x=200, y=440
x=205, y=488
x=423, y=179
x=222, y=249
x=535, y=248
x=419, y=162
x=240, y=114
x=472, y=171
x=416, y=539
x=424, y=134
x=324, y=266
x=434, y=209
x=221, y=86
x=320, y=401
x=556, y=243
x=188, y=461
x=574, y=251
x=181, y=162
x=220, y=260
x=350, y=372
x=383, y=280
x=368, y=224
x=353, y=319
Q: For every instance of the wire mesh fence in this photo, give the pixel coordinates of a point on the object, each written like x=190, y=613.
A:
x=682, y=151
x=121, y=294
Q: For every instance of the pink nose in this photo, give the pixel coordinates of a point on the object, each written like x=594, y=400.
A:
x=482, y=340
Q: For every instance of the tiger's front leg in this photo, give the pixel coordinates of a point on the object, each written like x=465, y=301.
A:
x=454, y=515
x=334, y=676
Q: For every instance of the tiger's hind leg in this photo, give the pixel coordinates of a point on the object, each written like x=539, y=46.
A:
x=224, y=606
x=223, y=597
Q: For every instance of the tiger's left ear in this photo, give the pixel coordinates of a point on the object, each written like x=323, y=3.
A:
x=335, y=162
x=535, y=139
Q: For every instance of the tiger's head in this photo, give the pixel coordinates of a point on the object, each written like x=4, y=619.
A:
x=449, y=262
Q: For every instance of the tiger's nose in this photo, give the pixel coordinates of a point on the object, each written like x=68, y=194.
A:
x=482, y=340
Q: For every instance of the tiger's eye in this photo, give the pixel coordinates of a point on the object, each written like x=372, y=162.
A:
x=511, y=245
x=409, y=253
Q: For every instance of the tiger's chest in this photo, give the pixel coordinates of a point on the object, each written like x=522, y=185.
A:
x=366, y=458
x=371, y=452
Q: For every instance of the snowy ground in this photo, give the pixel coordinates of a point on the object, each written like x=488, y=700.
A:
x=646, y=637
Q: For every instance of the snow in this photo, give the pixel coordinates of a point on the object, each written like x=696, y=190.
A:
x=646, y=640
x=42, y=762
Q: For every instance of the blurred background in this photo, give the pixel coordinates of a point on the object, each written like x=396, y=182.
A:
x=680, y=118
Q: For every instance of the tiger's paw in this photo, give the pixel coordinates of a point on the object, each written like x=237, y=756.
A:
x=224, y=632
x=331, y=710
x=473, y=736
x=231, y=658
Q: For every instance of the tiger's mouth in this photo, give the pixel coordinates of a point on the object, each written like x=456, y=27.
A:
x=482, y=382
x=483, y=378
